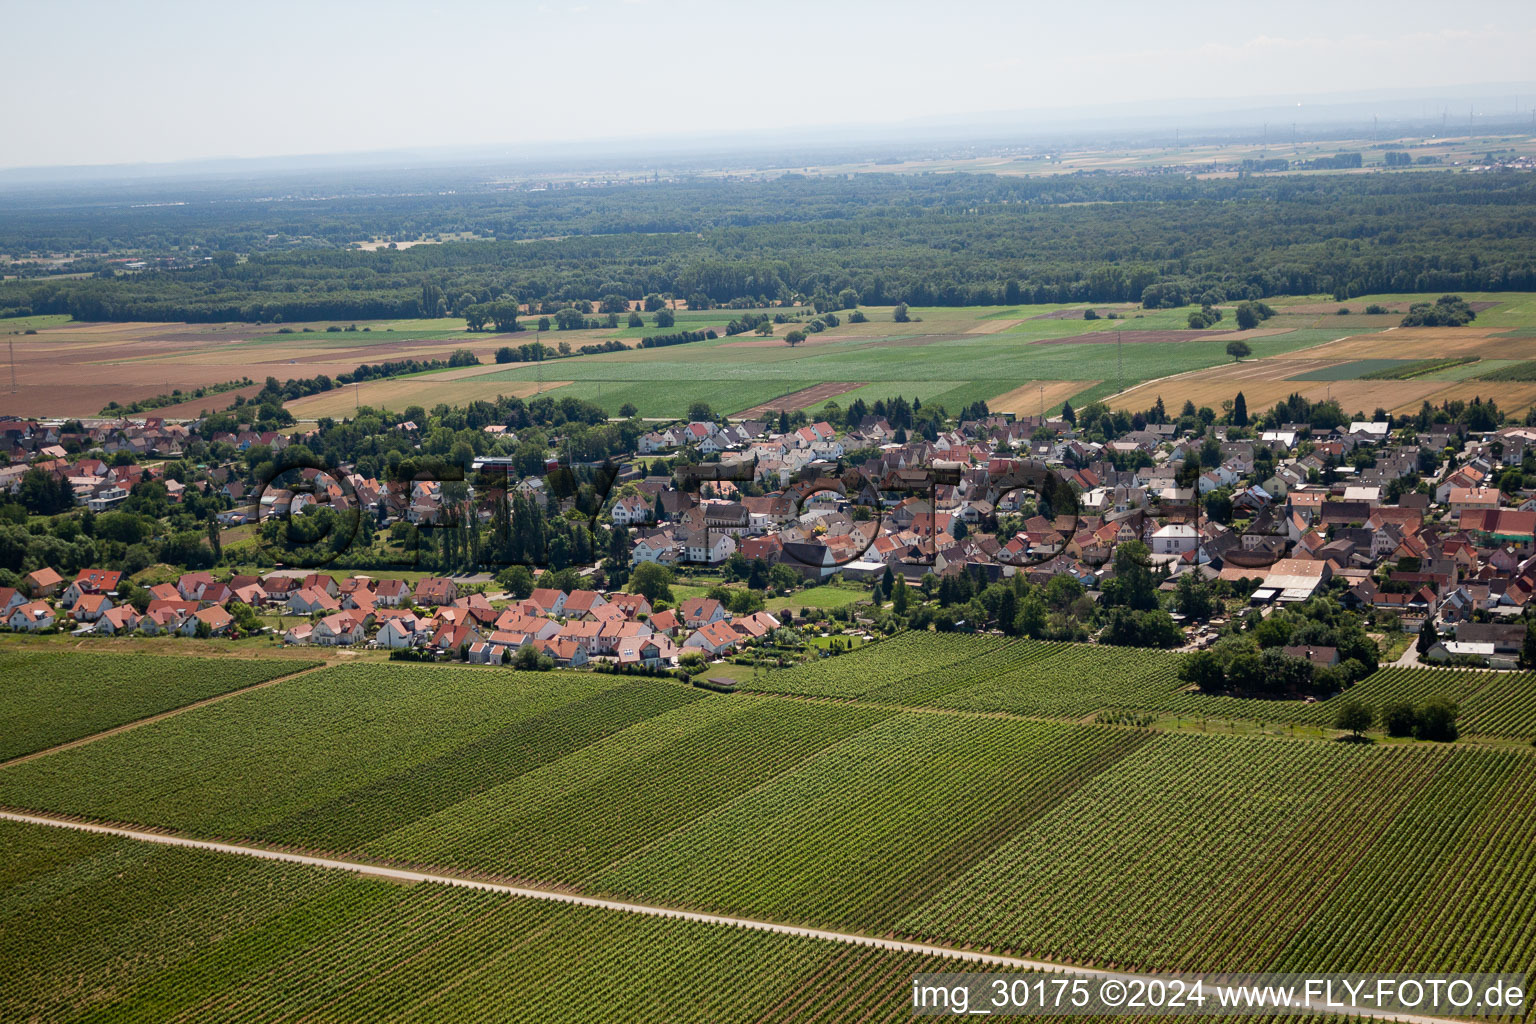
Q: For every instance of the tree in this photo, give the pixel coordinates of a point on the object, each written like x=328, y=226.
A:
x=651, y=581
x=794, y=338
x=899, y=596
x=516, y=580
x=1239, y=411
x=1192, y=598
x=628, y=410
x=1437, y=720
x=900, y=314
x=1239, y=350
x=503, y=315
x=665, y=318
x=1528, y=648
x=1428, y=637
x=1247, y=317
x=1031, y=618
x=1132, y=585
x=1205, y=670
x=1068, y=413
x=1353, y=717
x=636, y=320
x=1399, y=718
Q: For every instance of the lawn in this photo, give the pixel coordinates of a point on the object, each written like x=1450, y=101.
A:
x=826, y=597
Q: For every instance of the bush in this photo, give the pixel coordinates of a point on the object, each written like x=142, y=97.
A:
x=1399, y=719
x=1437, y=720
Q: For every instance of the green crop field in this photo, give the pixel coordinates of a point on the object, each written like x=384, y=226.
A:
x=1202, y=851
x=1431, y=368
x=407, y=728
x=879, y=664
x=1039, y=679
x=1358, y=369
x=52, y=697
x=956, y=823
x=1524, y=370
x=100, y=928
x=857, y=835
x=940, y=361
x=611, y=800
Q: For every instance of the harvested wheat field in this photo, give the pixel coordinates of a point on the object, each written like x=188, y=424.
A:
x=449, y=387
x=1423, y=343
x=994, y=326
x=1025, y=399
x=1265, y=382
x=77, y=368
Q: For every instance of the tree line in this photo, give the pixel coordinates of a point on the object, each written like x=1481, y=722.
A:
x=940, y=240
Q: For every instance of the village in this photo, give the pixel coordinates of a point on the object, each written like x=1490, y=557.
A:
x=1269, y=517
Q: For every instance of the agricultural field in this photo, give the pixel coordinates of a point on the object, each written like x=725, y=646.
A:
x=1377, y=364
x=1079, y=842
x=1041, y=679
x=1199, y=852
x=865, y=830
x=879, y=664
x=412, y=731
x=52, y=697
x=945, y=355
x=105, y=928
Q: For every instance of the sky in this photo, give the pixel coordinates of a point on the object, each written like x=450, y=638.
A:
x=108, y=82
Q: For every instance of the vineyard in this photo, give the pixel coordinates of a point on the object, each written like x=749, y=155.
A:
x=107, y=929
x=1505, y=705
x=1192, y=851
x=1041, y=679
x=879, y=665
x=272, y=759
x=52, y=697
x=575, y=817
x=856, y=835
x=953, y=823
x=1056, y=680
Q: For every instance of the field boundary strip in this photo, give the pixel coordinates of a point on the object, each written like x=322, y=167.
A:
x=160, y=716
x=557, y=896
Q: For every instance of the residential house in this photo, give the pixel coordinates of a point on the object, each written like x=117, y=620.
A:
x=432, y=591
x=700, y=611
x=31, y=617
x=43, y=582
x=714, y=639
x=91, y=581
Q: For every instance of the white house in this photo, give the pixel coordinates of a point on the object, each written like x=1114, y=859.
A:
x=338, y=630
x=32, y=616
x=1175, y=539
x=714, y=639
x=399, y=631
x=710, y=547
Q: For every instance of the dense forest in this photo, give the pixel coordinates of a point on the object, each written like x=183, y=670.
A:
x=924, y=240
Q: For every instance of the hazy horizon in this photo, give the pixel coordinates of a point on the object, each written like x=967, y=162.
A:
x=176, y=82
